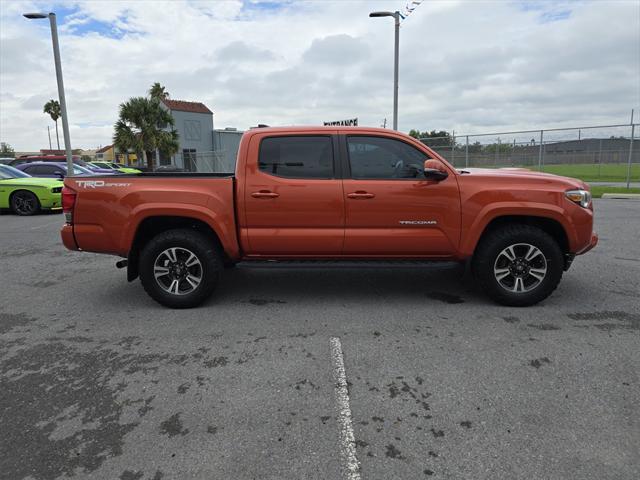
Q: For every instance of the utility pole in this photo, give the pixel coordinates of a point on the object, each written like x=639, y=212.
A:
x=61, y=97
x=396, y=16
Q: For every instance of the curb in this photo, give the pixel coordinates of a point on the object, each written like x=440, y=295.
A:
x=622, y=196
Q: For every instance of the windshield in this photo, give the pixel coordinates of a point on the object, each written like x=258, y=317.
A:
x=7, y=171
x=78, y=170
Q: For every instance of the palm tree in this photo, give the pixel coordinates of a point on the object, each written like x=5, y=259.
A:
x=52, y=107
x=158, y=92
x=142, y=127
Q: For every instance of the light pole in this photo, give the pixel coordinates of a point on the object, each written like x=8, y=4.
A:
x=396, y=16
x=63, y=103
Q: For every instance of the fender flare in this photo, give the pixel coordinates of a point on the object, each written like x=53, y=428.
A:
x=224, y=230
x=496, y=210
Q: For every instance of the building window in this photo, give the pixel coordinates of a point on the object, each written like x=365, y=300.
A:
x=192, y=130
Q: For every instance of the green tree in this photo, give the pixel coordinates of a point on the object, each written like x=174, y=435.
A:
x=52, y=107
x=433, y=138
x=158, y=92
x=144, y=126
x=498, y=147
x=7, y=151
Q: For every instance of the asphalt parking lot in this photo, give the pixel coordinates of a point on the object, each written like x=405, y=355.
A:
x=97, y=381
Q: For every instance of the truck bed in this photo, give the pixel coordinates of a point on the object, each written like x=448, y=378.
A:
x=110, y=209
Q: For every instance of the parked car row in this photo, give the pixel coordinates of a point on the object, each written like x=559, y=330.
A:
x=95, y=167
x=53, y=169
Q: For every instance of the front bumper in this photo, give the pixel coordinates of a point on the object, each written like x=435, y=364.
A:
x=591, y=245
x=54, y=203
x=569, y=257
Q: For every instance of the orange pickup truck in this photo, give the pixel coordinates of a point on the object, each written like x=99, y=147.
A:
x=339, y=193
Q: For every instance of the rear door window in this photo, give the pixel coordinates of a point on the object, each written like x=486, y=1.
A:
x=309, y=156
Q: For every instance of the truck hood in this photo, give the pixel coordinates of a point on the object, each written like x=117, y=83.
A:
x=521, y=173
x=32, y=182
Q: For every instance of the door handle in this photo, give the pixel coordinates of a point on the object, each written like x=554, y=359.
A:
x=264, y=194
x=360, y=195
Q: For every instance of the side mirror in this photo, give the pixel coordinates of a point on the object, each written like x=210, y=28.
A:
x=433, y=170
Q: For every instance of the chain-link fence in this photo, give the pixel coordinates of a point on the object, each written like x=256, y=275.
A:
x=609, y=153
x=220, y=161
x=205, y=162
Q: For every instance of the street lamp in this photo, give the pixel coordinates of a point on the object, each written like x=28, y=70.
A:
x=396, y=16
x=63, y=103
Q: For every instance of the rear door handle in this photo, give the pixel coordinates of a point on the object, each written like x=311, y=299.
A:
x=360, y=195
x=264, y=194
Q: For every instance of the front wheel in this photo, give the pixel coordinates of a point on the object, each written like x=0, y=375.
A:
x=24, y=203
x=518, y=265
x=180, y=268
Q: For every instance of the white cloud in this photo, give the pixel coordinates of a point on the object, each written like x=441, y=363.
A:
x=466, y=65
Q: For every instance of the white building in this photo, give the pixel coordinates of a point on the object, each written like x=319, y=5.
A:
x=194, y=124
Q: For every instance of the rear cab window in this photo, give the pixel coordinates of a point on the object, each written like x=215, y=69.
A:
x=300, y=156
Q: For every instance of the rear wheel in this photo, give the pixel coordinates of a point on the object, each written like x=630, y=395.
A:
x=518, y=265
x=24, y=203
x=180, y=268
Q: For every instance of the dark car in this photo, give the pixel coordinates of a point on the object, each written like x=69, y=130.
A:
x=168, y=168
x=43, y=158
x=59, y=159
x=52, y=169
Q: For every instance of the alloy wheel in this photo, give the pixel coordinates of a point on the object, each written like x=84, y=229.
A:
x=178, y=271
x=24, y=203
x=520, y=268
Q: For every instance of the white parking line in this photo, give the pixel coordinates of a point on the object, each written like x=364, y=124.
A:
x=350, y=464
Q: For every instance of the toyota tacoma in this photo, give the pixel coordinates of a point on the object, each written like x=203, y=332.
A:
x=333, y=193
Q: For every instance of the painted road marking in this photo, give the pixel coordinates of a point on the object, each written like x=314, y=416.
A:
x=350, y=464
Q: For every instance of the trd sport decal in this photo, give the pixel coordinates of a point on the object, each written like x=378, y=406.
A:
x=99, y=184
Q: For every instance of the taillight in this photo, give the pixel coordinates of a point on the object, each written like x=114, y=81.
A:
x=68, y=202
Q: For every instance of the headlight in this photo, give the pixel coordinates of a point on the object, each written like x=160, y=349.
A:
x=581, y=197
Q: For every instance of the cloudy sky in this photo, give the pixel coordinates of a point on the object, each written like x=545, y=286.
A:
x=469, y=66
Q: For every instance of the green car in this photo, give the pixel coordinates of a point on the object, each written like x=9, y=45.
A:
x=116, y=166
x=26, y=195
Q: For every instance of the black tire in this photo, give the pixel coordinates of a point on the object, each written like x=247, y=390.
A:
x=209, y=267
x=24, y=203
x=489, y=254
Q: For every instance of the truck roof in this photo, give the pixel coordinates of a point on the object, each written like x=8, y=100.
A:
x=328, y=128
